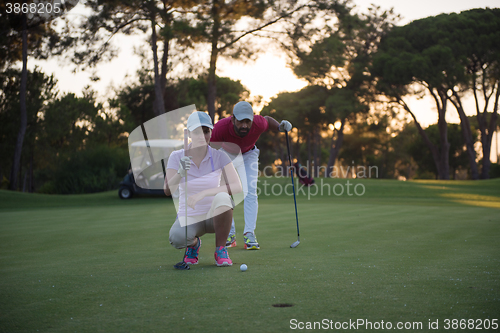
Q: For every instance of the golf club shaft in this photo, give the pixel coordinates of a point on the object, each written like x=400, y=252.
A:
x=293, y=184
x=185, y=188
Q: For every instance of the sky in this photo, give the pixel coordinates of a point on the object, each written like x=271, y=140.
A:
x=269, y=74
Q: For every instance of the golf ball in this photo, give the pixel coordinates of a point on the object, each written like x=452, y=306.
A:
x=243, y=267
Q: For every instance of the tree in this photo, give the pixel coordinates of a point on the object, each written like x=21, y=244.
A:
x=448, y=55
x=65, y=126
x=458, y=152
x=284, y=106
x=407, y=57
x=342, y=107
x=80, y=146
x=368, y=144
x=211, y=22
x=166, y=21
x=340, y=61
x=22, y=31
x=218, y=20
x=404, y=164
x=133, y=103
x=195, y=90
x=474, y=39
x=40, y=91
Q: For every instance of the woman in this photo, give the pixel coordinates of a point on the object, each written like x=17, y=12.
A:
x=210, y=208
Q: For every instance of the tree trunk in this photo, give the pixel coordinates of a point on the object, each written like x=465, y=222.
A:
x=316, y=151
x=25, y=180
x=309, y=167
x=31, y=183
x=487, y=130
x=434, y=150
x=22, y=101
x=158, y=104
x=335, y=148
x=443, y=140
x=467, y=134
x=164, y=71
x=496, y=145
x=212, y=88
x=297, y=147
x=164, y=65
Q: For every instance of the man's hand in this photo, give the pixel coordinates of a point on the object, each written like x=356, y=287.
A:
x=285, y=126
x=184, y=165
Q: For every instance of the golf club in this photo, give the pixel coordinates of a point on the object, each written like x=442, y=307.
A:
x=182, y=264
x=295, y=244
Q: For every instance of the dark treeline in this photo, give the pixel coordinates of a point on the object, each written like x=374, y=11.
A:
x=361, y=68
x=76, y=145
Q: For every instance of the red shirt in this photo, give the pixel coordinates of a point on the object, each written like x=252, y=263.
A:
x=224, y=132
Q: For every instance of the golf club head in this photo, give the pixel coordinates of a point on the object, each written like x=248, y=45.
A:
x=182, y=266
x=295, y=244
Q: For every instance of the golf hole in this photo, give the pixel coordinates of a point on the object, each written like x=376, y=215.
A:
x=282, y=305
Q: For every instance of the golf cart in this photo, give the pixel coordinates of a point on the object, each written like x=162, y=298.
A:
x=129, y=188
x=144, y=175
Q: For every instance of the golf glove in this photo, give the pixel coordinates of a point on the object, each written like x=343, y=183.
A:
x=285, y=125
x=184, y=165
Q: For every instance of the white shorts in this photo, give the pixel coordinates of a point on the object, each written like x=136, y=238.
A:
x=204, y=225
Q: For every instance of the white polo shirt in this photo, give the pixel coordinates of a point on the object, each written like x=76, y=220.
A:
x=207, y=176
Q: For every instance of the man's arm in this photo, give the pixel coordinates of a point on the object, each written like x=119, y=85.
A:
x=278, y=127
x=273, y=123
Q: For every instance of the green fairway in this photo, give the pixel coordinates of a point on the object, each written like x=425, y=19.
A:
x=409, y=252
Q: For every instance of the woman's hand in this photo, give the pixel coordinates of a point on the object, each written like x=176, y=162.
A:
x=193, y=199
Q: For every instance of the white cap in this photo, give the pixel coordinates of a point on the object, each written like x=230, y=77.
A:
x=197, y=119
x=243, y=110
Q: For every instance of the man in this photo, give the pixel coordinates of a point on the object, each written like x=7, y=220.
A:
x=244, y=129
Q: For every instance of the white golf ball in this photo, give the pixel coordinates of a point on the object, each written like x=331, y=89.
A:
x=243, y=267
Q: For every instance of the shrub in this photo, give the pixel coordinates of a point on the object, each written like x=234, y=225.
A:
x=495, y=170
x=91, y=170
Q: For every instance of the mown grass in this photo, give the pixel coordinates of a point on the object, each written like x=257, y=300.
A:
x=401, y=252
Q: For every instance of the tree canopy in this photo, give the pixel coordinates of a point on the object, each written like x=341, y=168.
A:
x=447, y=56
